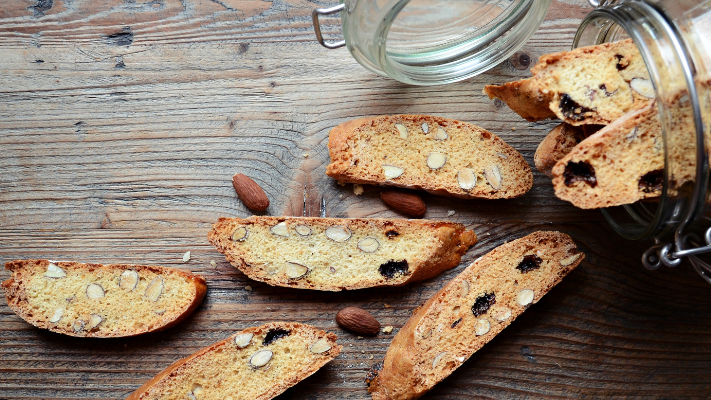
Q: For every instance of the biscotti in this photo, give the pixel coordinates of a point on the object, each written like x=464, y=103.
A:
x=588, y=85
x=469, y=311
x=253, y=364
x=94, y=300
x=558, y=143
x=438, y=155
x=336, y=254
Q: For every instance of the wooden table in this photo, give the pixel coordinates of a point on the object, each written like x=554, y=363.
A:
x=122, y=122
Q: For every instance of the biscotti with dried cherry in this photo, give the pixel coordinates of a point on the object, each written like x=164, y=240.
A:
x=254, y=364
x=94, y=300
x=589, y=85
x=470, y=311
x=336, y=254
x=438, y=155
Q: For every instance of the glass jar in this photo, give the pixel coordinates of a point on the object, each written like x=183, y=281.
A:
x=427, y=42
x=674, y=39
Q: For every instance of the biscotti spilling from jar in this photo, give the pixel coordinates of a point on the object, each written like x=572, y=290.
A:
x=253, y=364
x=94, y=300
x=438, y=155
x=470, y=311
x=336, y=254
x=589, y=85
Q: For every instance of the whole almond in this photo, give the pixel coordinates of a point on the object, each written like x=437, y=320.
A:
x=250, y=192
x=358, y=320
x=405, y=202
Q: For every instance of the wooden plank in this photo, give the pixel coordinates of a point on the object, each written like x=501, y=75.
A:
x=121, y=123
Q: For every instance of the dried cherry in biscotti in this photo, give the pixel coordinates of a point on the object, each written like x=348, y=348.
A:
x=483, y=303
x=652, y=181
x=529, y=263
x=392, y=268
x=579, y=171
x=571, y=109
x=275, y=334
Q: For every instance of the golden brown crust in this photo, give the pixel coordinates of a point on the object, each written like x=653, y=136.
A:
x=269, y=393
x=344, y=167
x=17, y=299
x=408, y=370
x=525, y=99
x=453, y=241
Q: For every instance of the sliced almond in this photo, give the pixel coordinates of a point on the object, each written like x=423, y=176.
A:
x=338, y=233
x=632, y=135
x=402, y=129
x=501, y=314
x=260, y=358
x=439, y=358
x=243, y=340
x=159, y=312
x=465, y=289
x=466, y=178
x=191, y=396
x=128, y=279
x=303, y=230
x=568, y=261
x=493, y=176
x=94, y=291
x=154, y=289
x=186, y=256
x=392, y=172
x=524, y=297
x=482, y=327
x=436, y=160
x=53, y=271
x=369, y=245
x=644, y=87
x=78, y=325
x=280, y=229
x=425, y=128
x=94, y=321
x=240, y=234
x=321, y=346
x=197, y=389
x=427, y=334
x=502, y=155
x=441, y=134
x=57, y=315
x=295, y=270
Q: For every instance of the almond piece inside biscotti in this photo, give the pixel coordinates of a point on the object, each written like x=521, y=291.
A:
x=438, y=155
x=257, y=363
x=469, y=311
x=100, y=300
x=339, y=254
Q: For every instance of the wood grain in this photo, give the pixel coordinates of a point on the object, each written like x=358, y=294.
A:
x=123, y=121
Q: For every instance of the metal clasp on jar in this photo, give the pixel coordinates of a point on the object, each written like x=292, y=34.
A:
x=317, y=25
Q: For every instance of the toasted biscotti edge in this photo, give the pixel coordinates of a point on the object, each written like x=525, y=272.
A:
x=274, y=391
x=340, y=166
x=17, y=300
x=523, y=97
x=455, y=238
x=396, y=379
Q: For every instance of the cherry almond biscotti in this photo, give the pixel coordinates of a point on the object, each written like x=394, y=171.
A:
x=336, y=254
x=438, y=155
x=94, y=300
x=253, y=364
x=469, y=311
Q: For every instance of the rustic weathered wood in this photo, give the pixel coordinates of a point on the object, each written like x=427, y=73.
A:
x=122, y=122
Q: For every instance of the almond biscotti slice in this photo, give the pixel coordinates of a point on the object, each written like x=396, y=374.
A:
x=558, y=143
x=469, y=311
x=336, y=254
x=588, y=85
x=438, y=155
x=94, y=300
x=253, y=364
